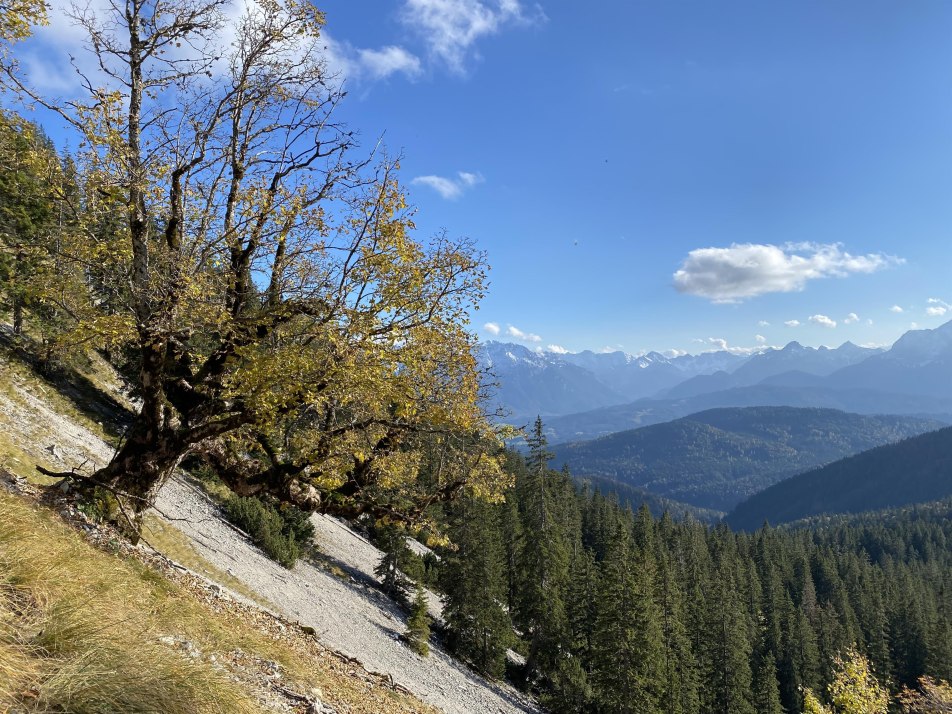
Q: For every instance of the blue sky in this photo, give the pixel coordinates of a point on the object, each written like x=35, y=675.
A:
x=603, y=144
x=672, y=175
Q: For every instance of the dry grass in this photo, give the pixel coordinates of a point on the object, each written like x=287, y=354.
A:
x=83, y=631
x=19, y=462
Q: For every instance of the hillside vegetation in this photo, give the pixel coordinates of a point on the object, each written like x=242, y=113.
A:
x=916, y=470
x=719, y=457
x=82, y=630
x=624, y=612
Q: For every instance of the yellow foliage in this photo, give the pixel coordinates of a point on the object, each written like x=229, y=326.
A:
x=854, y=689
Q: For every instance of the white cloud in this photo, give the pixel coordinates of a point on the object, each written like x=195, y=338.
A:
x=763, y=323
x=721, y=345
x=674, y=352
x=792, y=323
x=896, y=309
x=492, y=328
x=514, y=331
x=354, y=64
x=450, y=188
x=851, y=318
x=557, y=349
x=937, y=307
x=869, y=321
x=750, y=269
x=760, y=339
x=382, y=63
x=822, y=320
x=913, y=325
x=47, y=57
x=451, y=28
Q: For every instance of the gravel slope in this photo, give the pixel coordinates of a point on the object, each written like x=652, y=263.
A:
x=349, y=614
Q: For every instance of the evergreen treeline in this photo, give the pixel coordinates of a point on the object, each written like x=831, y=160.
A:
x=619, y=611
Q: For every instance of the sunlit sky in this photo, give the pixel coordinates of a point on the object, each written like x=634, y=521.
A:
x=671, y=175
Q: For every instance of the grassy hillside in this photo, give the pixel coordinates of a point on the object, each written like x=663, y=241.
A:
x=85, y=631
x=916, y=470
x=717, y=458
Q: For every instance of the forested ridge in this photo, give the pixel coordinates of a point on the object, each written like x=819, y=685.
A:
x=915, y=470
x=719, y=457
x=620, y=611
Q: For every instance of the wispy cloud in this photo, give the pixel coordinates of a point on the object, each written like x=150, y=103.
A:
x=492, y=328
x=746, y=270
x=896, y=309
x=451, y=28
x=823, y=321
x=518, y=334
x=450, y=188
x=792, y=323
x=851, y=318
x=763, y=323
x=760, y=339
x=355, y=64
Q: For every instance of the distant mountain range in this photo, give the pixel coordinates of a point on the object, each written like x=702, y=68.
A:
x=717, y=458
x=585, y=395
x=531, y=383
x=916, y=470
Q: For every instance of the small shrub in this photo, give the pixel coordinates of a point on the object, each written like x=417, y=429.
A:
x=264, y=524
x=99, y=506
x=297, y=523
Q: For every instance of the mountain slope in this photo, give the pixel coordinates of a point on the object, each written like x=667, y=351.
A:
x=530, y=383
x=819, y=362
x=916, y=470
x=645, y=412
x=920, y=363
x=715, y=459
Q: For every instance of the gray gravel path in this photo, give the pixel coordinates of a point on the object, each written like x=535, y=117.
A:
x=348, y=614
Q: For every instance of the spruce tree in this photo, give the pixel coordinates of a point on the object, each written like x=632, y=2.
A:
x=727, y=646
x=766, y=687
x=393, y=561
x=474, y=584
x=417, y=635
x=543, y=562
x=627, y=652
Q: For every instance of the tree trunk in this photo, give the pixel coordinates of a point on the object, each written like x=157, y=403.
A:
x=17, y=314
x=137, y=473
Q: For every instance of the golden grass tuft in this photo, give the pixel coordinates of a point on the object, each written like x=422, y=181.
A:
x=81, y=631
